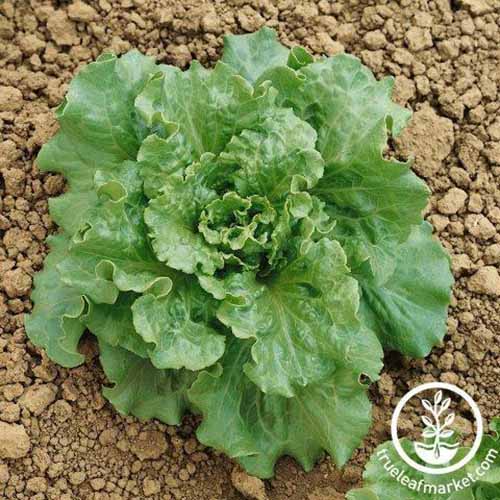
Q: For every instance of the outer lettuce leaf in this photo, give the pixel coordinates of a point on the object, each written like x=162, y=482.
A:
x=379, y=485
x=296, y=318
x=113, y=324
x=98, y=130
x=258, y=428
x=208, y=106
x=111, y=251
x=141, y=389
x=251, y=55
x=53, y=323
x=178, y=324
x=408, y=312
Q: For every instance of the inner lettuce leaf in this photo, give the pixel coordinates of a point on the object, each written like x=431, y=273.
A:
x=240, y=245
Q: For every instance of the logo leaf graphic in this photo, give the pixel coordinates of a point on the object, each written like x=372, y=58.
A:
x=449, y=420
x=438, y=397
x=437, y=452
x=429, y=433
x=444, y=405
x=427, y=405
x=427, y=421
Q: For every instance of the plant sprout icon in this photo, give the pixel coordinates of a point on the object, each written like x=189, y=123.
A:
x=438, y=452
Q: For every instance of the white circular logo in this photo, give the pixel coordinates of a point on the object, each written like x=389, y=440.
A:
x=438, y=448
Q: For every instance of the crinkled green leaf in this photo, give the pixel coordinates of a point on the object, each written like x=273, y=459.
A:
x=142, y=390
x=209, y=106
x=380, y=485
x=173, y=219
x=178, y=326
x=232, y=220
x=68, y=209
x=375, y=201
x=161, y=157
x=111, y=251
x=295, y=318
x=240, y=227
x=97, y=130
x=299, y=57
x=347, y=106
x=408, y=312
x=302, y=219
x=54, y=322
x=269, y=159
x=257, y=428
x=250, y=55
x=123, y=182
x=113, y=324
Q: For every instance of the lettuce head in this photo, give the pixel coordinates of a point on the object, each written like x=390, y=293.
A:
x=239, y=245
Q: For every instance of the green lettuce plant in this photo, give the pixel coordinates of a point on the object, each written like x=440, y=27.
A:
x=380, y=485
x=239, y=245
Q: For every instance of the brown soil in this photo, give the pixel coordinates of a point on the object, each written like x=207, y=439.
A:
x=58, y=438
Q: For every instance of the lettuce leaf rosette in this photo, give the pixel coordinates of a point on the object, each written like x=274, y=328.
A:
x=239, y=245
